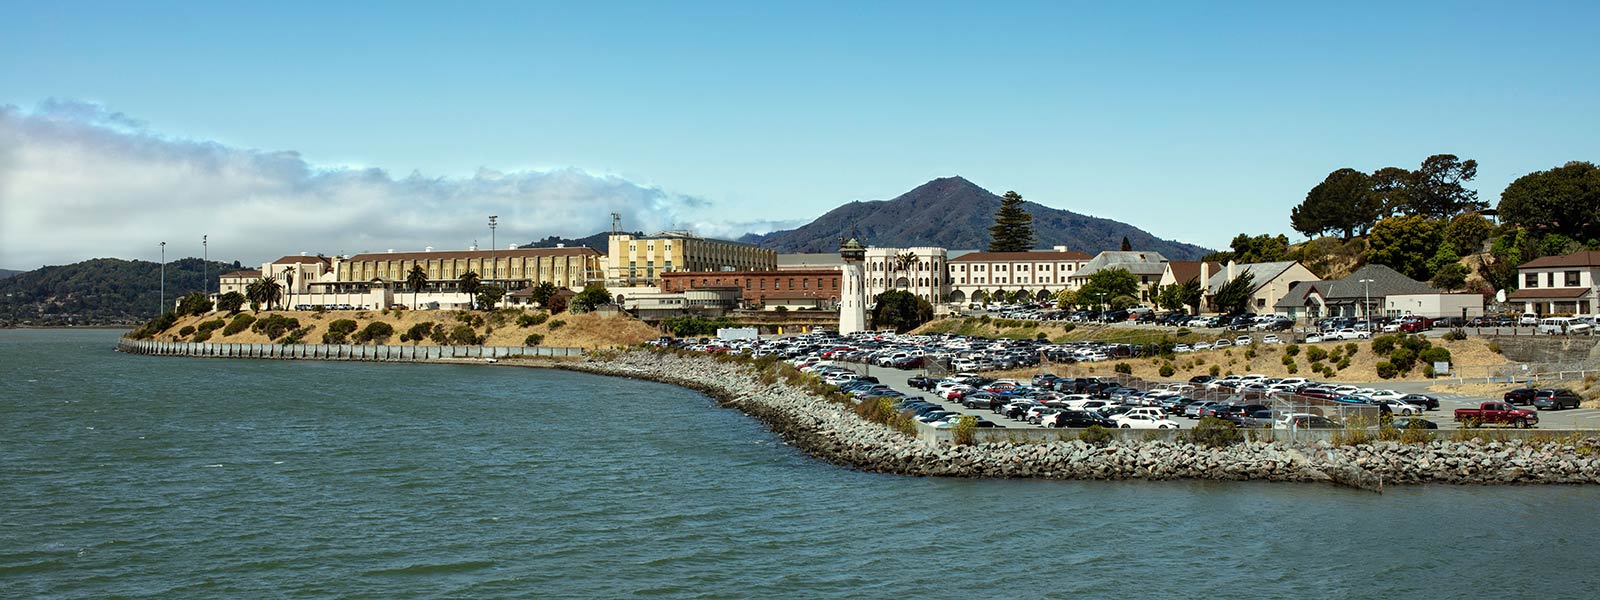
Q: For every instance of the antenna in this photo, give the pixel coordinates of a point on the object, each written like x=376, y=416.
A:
x=616, y=223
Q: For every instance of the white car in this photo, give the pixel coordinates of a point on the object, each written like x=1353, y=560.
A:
x=1201, y=346
x=1316, y=337
x=1142, y=421
x=1349, y=334
x=1386, y=395
x=1222, y=343
x=1182, y=348
x=1243, y=340
x=1271, y=338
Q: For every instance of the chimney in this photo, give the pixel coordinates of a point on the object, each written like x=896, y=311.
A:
x=511, y=246
x=428, y=249
x=1205, y=272
x=302, y=253
x=1232, y=268
x=559, y=245
x=389, y=251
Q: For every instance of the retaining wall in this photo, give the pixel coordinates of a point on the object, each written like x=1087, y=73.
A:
x=387, y=353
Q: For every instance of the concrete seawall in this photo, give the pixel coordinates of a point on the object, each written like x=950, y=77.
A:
x=388, y=353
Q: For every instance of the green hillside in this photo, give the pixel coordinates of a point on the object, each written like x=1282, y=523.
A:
x=103, y=291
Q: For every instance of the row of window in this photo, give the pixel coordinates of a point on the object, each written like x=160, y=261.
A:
x=1569, y=278
x=1044, y=267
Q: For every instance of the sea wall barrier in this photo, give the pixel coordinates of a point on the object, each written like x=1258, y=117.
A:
x=339, y=351
x=833, y=432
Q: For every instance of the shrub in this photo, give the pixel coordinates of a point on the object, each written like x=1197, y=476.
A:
x=1215, y=370
x=1182, y=331
x=240, y=323
x=1123, y=368
x=209, y=326
x=556, y=324
x=438, y=334
x=1387, y=370
x=463, y=335
x=1250, y=352
x=1351, y=348
x=1494, y=347
x=275, y=325
x=1288, y=359
x=187, y=331
x=533, y=339
x=1292, y=350
x=1041, y=336
x=1433, y=355
x=1167, y=370
x=376, y=332
x=1095, y=435
x=531, y=320
x=1415, y=434
x=1403, y=359
x=1344, y=363
x=1327, y=371
x=297, y=336
x=1455, y=335
x=1215, y=433
x=963, y=431
x=1316, y=354
x=1292, y=368
x=338, y=330
x=1427, y=370
x=419, y=331
x=202, y=335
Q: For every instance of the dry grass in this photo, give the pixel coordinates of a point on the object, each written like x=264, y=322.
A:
x=584, y=331
x=1469, y=353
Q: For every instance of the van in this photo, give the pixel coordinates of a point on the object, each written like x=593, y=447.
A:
x=1529, y=319
x=1563, y=326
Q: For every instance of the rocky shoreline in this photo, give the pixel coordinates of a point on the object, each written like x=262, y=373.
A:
x=830, y=431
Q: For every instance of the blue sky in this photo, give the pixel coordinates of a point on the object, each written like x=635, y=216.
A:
x=1194, y=121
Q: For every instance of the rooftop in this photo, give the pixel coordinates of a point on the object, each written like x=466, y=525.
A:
x=1586, y=258
x=1264, y=274
x=454, y=254
x=1029, y=256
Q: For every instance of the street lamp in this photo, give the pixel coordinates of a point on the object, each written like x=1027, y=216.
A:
x=494, y=265
x=163, y=308
x=205, y=267
x=1366, y=303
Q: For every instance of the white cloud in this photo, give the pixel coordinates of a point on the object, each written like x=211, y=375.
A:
x=78, y=181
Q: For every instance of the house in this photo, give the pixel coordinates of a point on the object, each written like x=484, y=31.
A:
x=972, y=276
x=1559, y=285
x=1358, y=295
x=1270, y=283
x=1185, y=271
x=1149, y=267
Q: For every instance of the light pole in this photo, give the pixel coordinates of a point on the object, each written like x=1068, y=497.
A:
x=163, y=307
x=1366, y=303
x=494, y=265
x=205, y=267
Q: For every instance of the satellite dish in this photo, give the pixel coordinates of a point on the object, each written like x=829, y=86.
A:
x=1500, y=296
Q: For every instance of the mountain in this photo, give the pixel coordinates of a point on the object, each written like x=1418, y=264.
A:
x=103, y=291
x=597, y=241
x=954, y=213
x=4, y=273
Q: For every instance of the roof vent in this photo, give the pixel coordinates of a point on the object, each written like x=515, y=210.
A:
x=302, y=253
x=560, y=245
x=389, y=251
x=428, y=249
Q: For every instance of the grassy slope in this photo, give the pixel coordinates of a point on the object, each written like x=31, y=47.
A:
x=585, y=330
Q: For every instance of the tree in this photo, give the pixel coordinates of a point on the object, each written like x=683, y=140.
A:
x=1435, y=190
x=981, y=296
x=1066, y=299
x=901, y=310
x=1405, y=244
x=263, y=291
x=1467, y=232
x=1344, y=202
x=1388, y=189
x=1106, y=284
x=469, y=284
x=1564, y=200
x=542, y=293
x=1170, y=297
x=1127, y=246
x=1192, y=292
x=593, y=295
x=1260, y=248
x=1234, y=296
x=1451, y=277
x=230, y=302
x=1013, y=227
x=194, y=304
x=558, y=303
x=416, y=280
x=489, y=295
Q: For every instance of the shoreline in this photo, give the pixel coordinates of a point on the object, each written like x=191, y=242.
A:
x=831, y=431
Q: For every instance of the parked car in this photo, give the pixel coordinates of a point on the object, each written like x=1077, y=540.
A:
x=1307, y=421
x=1500, y=413
x=1425, y=401
x=1144, y=421
x=1519, y=396
x=1556, y=399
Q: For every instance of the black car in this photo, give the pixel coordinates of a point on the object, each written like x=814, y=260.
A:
x=1077, y=419
x=1426, y=402
x=1520, y=396
x=920, y=382
x=1201, y=379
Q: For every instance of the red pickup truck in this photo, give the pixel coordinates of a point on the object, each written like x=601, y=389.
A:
x=1497, y=413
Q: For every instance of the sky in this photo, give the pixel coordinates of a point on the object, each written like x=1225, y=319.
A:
x=276, y=128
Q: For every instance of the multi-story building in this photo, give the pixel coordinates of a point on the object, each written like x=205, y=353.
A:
x=1042, y=273
x=236, y=281
x=377, y=280
x=633, y=262
x=920, y=270
x=1559, y=285
x=1149, y=267
x=758, y=287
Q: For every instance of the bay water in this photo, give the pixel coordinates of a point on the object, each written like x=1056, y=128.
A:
x=133, y=477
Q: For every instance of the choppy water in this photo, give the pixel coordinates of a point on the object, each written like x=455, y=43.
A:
x=128, y=476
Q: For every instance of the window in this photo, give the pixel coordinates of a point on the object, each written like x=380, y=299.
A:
x=1572, y=279
x=1530, y=280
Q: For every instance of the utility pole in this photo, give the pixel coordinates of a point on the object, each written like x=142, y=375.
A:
x=1366, y=305
x=163, y=307
x=494, y=268
x=205, y=267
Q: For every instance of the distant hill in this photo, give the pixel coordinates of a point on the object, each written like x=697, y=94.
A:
x=597, y=241
x=103, y=291
x=4, y=273
x=954, y=213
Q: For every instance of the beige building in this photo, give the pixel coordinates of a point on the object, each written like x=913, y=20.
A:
x=1042, y=273
x=1270, y=282
x=920, y=270
x=1559, y=285
x=639, y=261
x=236, y=281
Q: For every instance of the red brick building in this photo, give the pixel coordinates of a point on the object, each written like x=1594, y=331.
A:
x=757, y=286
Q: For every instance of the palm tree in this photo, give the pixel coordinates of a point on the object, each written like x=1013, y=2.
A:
x=288, y=277
x=469, y=284
x=273, y=291
x=253, y=293
x=417, y=279
x=903, y=263
x=264, y=290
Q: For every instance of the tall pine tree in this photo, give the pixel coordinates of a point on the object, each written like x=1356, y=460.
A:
x=1013, y=227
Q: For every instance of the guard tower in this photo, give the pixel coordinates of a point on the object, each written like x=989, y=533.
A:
x=853, y=302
